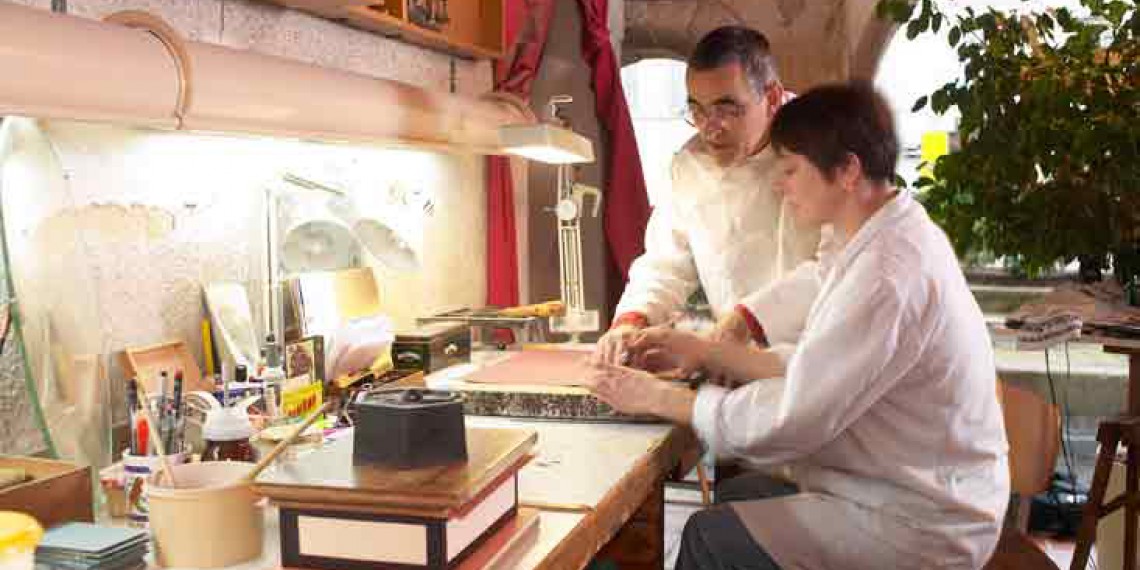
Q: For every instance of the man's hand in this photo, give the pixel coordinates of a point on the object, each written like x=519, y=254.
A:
x=733, y=327
x=612, y=347
x=686, y=351
x=632, y=391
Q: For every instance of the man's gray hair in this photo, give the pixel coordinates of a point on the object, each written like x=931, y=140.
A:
x=741, y=45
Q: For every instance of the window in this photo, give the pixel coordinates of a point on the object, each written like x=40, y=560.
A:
x=655, y=90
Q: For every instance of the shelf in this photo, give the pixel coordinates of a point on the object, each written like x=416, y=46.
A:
x=474, y=29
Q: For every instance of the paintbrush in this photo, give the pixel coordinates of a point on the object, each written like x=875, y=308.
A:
x=155, y=438
x=265, y=461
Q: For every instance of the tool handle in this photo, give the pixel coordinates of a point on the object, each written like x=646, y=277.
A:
x=269, y=457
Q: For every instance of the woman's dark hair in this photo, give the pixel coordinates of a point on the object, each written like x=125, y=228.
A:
x=740, y=45
x=829, y=123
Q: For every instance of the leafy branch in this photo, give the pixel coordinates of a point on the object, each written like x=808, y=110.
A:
x=1049, y=164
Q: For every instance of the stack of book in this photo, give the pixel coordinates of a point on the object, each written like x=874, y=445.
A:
x=84, y=546
x=335, y=514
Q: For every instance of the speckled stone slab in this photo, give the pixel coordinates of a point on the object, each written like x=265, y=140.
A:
x=539, y=402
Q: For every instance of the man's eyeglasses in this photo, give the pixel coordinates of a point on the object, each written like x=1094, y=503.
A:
x=697, y=115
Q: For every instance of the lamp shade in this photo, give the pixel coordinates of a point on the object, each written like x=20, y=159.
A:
x=319, y=245
x=387, y=247
x=547, y=143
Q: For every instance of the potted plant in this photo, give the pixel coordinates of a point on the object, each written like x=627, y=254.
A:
x=1048, y=168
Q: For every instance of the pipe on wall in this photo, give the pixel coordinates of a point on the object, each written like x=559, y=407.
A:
x=137, y=72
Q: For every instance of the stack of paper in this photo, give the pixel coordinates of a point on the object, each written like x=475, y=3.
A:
x=84, y=546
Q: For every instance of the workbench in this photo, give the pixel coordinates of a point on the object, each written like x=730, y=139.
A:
x=598, y=489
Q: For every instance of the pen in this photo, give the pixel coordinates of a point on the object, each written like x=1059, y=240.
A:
x=132, y=403
x=175, y=435
x=142, y=433
x=162, y=416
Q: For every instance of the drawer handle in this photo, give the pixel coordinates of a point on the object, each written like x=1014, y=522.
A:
x=451, y=350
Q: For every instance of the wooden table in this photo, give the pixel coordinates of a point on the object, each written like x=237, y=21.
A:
x=1131, y=349
x=1110, y=434
x=600, y=492
x=598, y=487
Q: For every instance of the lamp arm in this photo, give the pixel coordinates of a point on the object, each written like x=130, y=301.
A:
x=580, y=191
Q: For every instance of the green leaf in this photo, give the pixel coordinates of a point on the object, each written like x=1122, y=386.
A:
x=913, y=29
x=882, y=9
x=938, y=102
x=918, y=104
x=1065, y=18
x=937, y=23
x=902, y=10
x=955, y=36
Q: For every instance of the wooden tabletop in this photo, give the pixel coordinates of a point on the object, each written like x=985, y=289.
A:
x=328, y=475
x=586, y=481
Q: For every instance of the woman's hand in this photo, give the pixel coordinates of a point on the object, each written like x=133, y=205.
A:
x=732, y=328
x=685, y=352
x=637, y=392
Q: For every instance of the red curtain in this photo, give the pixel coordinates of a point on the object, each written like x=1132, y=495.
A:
x=527, y=25
x=627, y=204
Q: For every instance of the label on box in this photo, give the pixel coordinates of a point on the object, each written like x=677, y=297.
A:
x=298, y=401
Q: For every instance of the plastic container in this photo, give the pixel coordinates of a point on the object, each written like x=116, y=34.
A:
x=19, y=535
x=211, y=520
x=227, y=432
x=138, y=476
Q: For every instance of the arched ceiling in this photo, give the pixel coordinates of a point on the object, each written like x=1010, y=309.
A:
x=814, y=40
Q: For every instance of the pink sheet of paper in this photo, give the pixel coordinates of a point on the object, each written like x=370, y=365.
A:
x=544, y=367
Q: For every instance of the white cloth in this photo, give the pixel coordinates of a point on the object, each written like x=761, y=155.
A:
x=888, y=414
x=721, y=228
x=782, y=306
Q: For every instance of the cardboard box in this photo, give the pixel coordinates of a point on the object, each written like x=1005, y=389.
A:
x=59, y=491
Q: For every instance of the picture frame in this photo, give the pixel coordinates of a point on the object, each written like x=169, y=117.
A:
x=306, y=356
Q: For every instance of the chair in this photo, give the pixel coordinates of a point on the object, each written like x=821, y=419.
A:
x=1032, y=426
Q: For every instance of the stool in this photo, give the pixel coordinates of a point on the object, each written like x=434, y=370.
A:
x=1110, y=435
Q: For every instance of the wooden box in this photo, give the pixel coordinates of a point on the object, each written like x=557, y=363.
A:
x=147, y=363
x=432, y=347
x=59, y=491
x=335, y=514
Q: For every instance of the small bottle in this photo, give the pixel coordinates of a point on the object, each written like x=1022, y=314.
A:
x=273, y=378
x=227, y=432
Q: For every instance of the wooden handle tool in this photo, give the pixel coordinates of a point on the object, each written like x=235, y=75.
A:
x=269, y=457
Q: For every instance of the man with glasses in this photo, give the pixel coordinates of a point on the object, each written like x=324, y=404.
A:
x=722, y=228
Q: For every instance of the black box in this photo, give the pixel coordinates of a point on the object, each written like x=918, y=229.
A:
x=410, y=427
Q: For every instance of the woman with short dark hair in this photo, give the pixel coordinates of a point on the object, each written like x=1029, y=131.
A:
x=886, y=411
